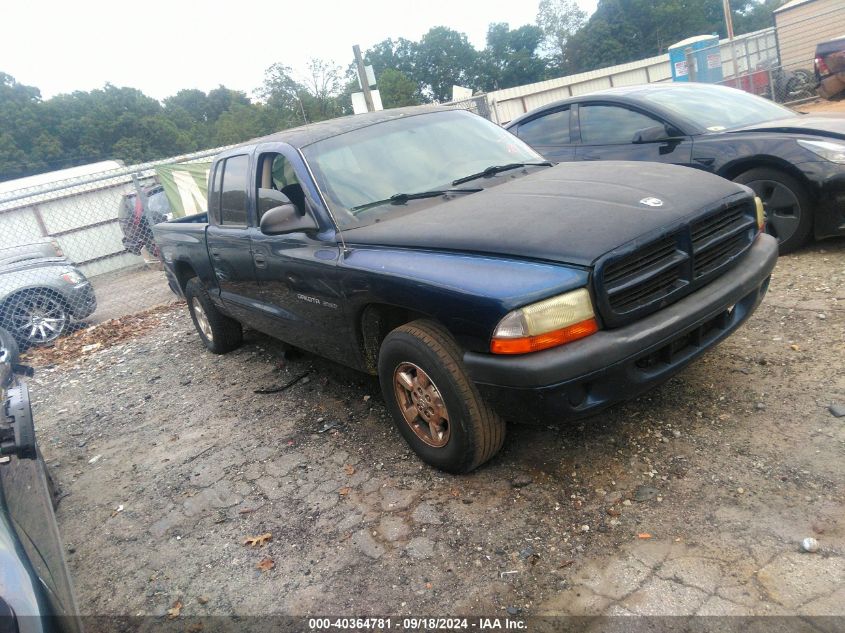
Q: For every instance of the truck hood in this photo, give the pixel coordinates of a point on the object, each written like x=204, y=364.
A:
x=572, y=213
x=832, y=125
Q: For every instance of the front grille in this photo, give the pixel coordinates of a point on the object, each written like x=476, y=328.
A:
x=719, y=238
x=633, y=283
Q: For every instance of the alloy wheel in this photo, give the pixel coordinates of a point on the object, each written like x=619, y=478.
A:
x=422, y=405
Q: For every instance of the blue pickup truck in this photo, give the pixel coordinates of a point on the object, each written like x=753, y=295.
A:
x=479, y=282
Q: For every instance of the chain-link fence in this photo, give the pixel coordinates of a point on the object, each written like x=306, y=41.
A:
x=76, y=246
x=477, y=104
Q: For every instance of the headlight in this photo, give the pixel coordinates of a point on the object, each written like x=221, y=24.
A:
x=545, y=324
x=761, y=213
x=834, y=152
x=72, y=277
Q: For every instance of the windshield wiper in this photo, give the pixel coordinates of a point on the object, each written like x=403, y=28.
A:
x=496, y=169
x=402, y=198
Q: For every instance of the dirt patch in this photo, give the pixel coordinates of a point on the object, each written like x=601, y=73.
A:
x=691, y=499
x=77, y=346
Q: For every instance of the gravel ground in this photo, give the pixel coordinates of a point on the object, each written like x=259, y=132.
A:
x=693, y=499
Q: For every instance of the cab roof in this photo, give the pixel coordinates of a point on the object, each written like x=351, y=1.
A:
x=303, y=135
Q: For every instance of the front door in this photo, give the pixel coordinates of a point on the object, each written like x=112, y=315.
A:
x=607, y=133
x=297, y=272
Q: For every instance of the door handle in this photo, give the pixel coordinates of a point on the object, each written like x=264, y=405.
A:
x=215, y=253
x=259, y=259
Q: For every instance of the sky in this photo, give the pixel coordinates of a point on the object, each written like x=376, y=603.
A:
x=163, y=46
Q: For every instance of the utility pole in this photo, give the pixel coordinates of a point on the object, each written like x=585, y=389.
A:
x=729, y=26
x=362, y=77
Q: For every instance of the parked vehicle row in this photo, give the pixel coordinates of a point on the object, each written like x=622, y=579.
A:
x=795, y=163
x=477, y=280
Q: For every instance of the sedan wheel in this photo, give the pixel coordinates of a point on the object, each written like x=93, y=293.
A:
x=787, y=205
x=37, y=319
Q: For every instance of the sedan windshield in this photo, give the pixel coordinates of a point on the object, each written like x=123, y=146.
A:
x=408, y=155
x=717, y=108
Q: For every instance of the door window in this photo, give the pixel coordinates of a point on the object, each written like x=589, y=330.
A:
x=550, y=129
x=604, y=124
x=233, y=199
x=214, y=195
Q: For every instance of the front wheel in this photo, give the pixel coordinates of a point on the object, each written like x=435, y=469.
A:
x=789, y=212
x=36, y=317
x=434, y=405
x=219, y=332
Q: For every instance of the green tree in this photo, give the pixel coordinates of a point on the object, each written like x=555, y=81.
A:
x=559, y=20
x=396, y=89
x=445, y=58
x=511, y=57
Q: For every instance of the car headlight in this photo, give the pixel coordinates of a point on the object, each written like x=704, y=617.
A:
x=545, y=324
x=761, y=213
x=834, y=152
x=72, y=277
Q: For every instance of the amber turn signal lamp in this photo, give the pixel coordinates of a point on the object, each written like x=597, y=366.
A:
x=529, y=344
x=545, y=324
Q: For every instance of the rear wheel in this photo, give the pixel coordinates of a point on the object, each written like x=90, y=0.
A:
x=219, y=332
x=789, y=213
x=434, y=405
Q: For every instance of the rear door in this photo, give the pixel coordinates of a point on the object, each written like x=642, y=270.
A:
x=228, y=237
x=606, y=132
x=549, y=133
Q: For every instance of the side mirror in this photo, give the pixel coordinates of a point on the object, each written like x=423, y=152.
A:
x=651, y=134
x=286, y=218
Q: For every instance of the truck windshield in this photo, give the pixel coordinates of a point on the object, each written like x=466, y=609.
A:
x=418, y=153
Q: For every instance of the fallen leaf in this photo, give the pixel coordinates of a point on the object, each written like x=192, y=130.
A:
x=428, y=585
x=613, y=512
x=566, y=563
x=344, y=491
x=643, y=535
x=203, y=599
x=246, y=510
x=795, y=347
x=266, y=564
x=455, y=492
x=349, y=469
x=258, y=541
x=174, y=611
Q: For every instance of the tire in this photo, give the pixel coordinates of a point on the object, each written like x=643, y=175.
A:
x=789, y=210
x=421, y=355
x=36, y=317
x=219, y=332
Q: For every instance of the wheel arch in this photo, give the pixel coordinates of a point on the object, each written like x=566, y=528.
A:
x=183, y=271
x=735, y=168
x=374, y=322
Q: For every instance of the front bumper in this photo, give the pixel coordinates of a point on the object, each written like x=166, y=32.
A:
x=827, y=180
x=585, y=376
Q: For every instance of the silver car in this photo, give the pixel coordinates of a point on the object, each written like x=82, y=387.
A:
x=41, y=292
